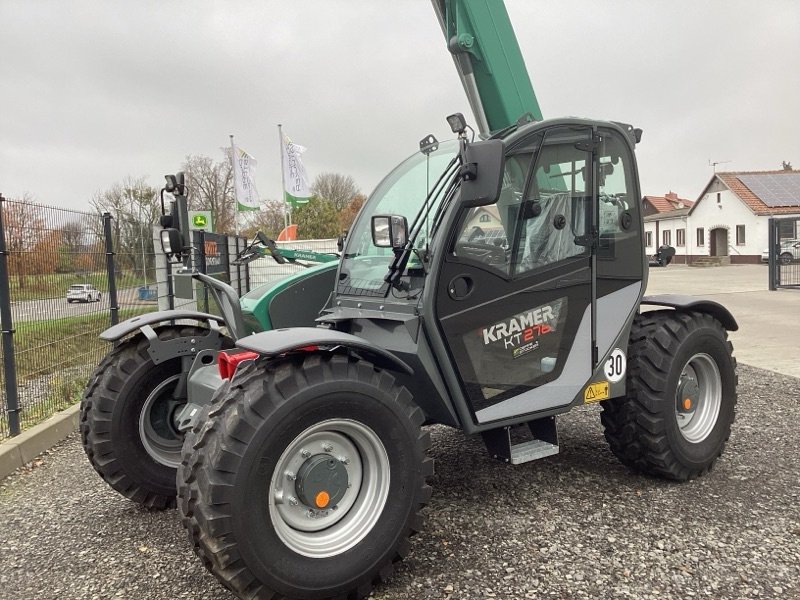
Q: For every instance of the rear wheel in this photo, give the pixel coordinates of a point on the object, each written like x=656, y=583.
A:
x=306, y=479
x=786, y=258
x=681, y=394
x=128, y=420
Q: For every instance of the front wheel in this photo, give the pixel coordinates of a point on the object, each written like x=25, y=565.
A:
x=786, y=258
x=128, y=419
x=317, y=468
x=677, y=413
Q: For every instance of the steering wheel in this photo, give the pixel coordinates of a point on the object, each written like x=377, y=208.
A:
x=488, y=253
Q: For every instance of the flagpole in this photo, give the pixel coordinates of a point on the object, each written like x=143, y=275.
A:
x=287, y=215
x=235, y=187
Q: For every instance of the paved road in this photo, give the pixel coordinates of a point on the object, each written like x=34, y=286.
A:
x=769, y=322
x=58, y=308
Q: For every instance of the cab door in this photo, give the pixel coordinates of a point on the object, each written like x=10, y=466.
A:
x=516, y=290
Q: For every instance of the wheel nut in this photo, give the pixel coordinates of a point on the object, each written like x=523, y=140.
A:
x=305, y=453
x=327, y=447
x=292, y=500
x=344, y=460
x=290, y=476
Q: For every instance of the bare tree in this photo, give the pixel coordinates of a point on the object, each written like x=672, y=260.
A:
x=135, y=208
x=72, y=241
x=269, y=220
x=337, y=189
x=211, y=188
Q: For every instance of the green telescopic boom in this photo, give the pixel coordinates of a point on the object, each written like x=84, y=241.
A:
x=489, y=62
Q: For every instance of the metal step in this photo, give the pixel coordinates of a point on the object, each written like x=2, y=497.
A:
x=519, y=444
x=528, y=451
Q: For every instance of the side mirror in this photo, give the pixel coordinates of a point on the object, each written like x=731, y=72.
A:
x=340, y=241
x=389, y=231
x=485, y=162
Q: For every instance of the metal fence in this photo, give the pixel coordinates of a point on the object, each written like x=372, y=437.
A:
x=65, y=276
x=784, y=253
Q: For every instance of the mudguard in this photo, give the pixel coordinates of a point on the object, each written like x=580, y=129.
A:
x=678, y=301
x=280, y=341
x=120, y=330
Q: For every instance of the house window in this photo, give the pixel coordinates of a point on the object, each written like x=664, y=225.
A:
x=680, y=237
x=485, y=218
x=666, y=237
x=740, y=235
x=701, y=236
x=648, y=238
x=719, y=197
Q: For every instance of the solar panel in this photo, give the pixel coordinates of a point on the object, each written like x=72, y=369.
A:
x=774, y=189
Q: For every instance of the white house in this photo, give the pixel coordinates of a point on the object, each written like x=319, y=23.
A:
x=664, y=223
x=730, y=217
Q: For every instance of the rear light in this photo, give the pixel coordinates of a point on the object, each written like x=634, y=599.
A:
x=228, y=361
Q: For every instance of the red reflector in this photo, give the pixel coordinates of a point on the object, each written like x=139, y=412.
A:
x=228, y=361
x=308, y=349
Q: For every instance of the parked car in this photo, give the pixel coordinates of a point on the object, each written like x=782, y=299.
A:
x=790, y=251
x=83, y=292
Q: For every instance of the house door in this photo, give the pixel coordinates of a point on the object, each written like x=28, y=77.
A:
x=719, y=241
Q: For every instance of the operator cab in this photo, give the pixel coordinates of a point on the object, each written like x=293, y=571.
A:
x=526, y=264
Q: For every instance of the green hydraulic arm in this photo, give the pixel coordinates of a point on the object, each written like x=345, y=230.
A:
x=263, y=246
x=489, y=62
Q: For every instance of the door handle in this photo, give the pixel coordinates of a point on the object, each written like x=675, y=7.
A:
x=460, y=287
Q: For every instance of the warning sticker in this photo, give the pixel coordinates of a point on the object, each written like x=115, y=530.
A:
x=595, y=392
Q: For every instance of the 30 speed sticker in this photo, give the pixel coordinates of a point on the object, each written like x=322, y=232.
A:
x=595, y=392
x=615, y=366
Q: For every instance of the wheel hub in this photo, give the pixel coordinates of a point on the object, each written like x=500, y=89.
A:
x=329, y=487
x=698, y=398
x=321, y=481
x=688, y=395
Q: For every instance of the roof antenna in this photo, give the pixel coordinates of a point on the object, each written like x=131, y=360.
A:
x=717, y=162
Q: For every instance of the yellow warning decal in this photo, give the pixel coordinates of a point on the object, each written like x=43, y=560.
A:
x=595, y=392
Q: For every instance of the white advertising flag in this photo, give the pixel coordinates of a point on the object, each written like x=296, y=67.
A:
x=244, y=178
x=295, y=178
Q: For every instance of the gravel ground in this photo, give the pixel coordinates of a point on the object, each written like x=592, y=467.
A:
x=576, y=525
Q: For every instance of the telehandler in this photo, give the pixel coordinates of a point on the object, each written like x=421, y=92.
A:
x=503, y=291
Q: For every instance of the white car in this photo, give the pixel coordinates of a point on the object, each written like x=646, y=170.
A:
x=83, y=292
x=790, y=251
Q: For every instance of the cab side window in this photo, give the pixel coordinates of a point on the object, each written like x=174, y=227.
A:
x=553, y=219
x=620, y=250
x=486, y=232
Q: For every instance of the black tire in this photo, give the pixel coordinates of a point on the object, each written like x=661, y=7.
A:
x=647, y=431
x=233, y=461
x=786, y=258
x=111, y=407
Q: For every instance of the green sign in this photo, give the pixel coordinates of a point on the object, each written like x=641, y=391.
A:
x=201, y=219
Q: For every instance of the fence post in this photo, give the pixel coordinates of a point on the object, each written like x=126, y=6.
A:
x=170, y=287
x=201, y=236
x=9, y=362
x=772, y=264
x=112, y=282
x=238, y=268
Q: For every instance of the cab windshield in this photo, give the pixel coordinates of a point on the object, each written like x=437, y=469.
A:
x=402, y=192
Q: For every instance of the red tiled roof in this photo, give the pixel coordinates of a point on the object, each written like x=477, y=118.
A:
x=753, y=202
x=668, y=202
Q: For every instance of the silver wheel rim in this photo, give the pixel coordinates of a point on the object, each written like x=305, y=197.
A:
x=696, y=424
x=157, y=430
x=323, y=533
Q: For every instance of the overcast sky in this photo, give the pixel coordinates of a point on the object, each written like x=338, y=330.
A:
x=93, y=92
